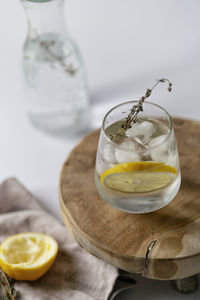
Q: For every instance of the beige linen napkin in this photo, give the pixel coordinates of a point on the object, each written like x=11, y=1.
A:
x=75, y=274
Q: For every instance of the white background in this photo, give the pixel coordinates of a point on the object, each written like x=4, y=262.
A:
x=126, y=45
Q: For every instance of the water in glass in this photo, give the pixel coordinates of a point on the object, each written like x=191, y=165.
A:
x=55, y=82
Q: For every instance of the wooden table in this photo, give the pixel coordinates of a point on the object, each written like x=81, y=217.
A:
x=164, y=244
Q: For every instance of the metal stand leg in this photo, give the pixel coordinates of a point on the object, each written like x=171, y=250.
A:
x=186, y=285
x=124, y=281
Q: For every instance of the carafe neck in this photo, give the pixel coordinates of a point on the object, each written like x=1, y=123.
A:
x=44, y=16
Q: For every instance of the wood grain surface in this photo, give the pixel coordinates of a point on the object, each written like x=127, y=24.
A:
x=161, y=245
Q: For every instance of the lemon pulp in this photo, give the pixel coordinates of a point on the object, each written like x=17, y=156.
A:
x=138, y=177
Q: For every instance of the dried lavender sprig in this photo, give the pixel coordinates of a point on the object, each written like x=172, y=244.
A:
x=5, y=286
x=139, y=107
x=132, y=116
x=46, y=45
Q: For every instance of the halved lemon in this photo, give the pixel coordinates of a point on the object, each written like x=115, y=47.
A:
x=138, y=177
x=27, y=256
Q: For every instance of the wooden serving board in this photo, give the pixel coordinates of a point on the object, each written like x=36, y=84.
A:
x=161, y=245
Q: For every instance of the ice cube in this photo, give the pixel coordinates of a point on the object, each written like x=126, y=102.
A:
x=123, y=155
x=105, y=158
x=142, y=131
x=100, y=165
x=160, y=148
x=109, y=152
x=173, y=159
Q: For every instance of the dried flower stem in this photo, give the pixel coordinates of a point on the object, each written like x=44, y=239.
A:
x=131, y=118
x=5, y=287
x=51, y=56
x=46, y=45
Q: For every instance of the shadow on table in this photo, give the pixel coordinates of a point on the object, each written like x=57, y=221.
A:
x=148, y=289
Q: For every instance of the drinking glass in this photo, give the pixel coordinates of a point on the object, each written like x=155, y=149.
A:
x=138, y=171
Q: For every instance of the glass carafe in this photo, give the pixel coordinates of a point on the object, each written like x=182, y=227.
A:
x=55, y=81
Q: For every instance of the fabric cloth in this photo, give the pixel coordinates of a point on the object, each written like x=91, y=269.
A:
x=75, y=274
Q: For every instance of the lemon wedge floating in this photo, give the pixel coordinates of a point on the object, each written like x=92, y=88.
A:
x=138, y=177
x=27, y=256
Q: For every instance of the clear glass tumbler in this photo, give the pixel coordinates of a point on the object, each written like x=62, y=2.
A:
x=139, y=171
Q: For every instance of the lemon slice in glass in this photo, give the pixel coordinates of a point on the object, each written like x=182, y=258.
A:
x=27, y=256
x=138, y=177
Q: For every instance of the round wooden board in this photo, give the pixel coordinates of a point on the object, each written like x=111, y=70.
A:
x=161, y=245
